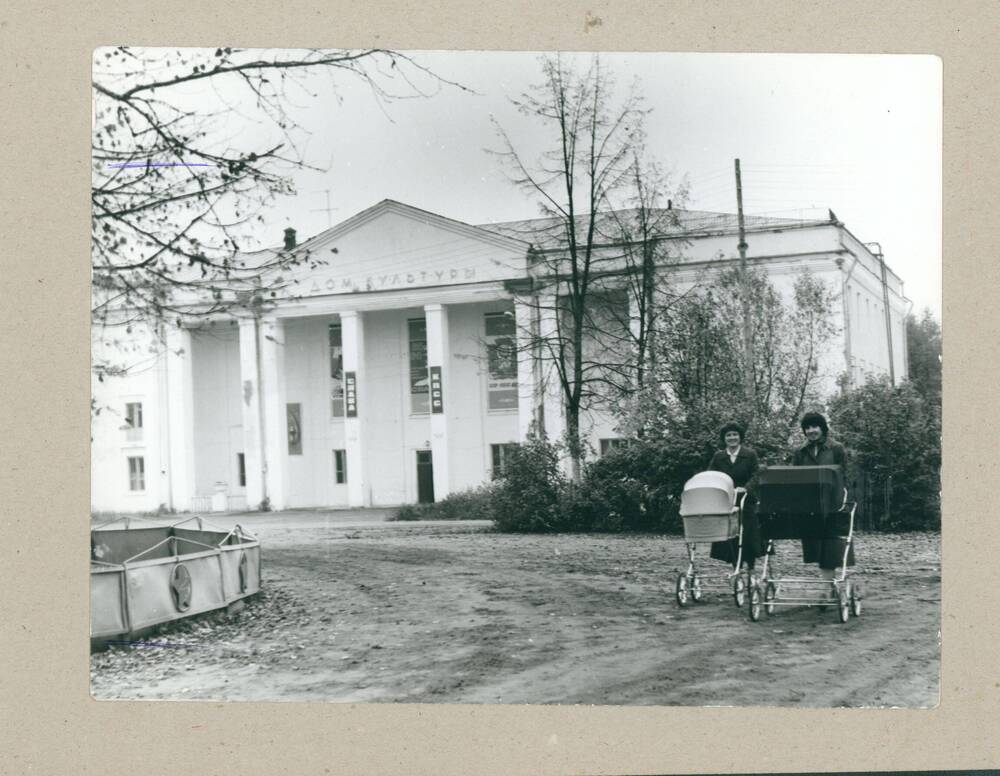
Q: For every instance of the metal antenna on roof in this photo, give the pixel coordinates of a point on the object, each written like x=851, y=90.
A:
x=329, y=210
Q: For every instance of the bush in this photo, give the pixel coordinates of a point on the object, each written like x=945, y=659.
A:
x=528, y=496
x=636, y=488
x=471, y=504
x=893, y=439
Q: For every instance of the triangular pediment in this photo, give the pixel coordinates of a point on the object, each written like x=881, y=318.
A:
x=392, y=246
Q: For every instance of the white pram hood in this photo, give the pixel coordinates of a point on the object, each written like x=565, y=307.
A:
x=708, y=493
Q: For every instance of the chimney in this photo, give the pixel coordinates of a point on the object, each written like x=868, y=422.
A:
x=670, y=204
x=289, y=239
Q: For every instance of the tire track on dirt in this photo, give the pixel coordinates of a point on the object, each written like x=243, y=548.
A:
x=453, y=613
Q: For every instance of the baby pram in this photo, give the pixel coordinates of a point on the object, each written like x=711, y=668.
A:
x=804, y=502
x=712, y=511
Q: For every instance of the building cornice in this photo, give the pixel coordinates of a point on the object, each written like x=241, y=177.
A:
x=416, y=214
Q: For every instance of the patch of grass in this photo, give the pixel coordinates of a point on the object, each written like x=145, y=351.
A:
x=408, y=512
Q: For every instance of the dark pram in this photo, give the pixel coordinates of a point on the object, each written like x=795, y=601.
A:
x=810, y=503
x=712, y=511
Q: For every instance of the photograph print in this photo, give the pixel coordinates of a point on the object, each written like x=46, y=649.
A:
x=516, y=377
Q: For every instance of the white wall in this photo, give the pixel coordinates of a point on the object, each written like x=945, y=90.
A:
x=217, y=410
x=311, y=475
x=392, y=433
x=869, y=343
x=111, y=444
x=472, y=427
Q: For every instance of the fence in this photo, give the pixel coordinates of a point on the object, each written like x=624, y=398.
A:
x=874, y=497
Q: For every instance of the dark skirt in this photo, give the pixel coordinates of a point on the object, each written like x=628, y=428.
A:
x=752, y=547
x=828, y=553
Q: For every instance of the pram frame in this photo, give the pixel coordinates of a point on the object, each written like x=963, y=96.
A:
x=691, y=584
x=763, y=591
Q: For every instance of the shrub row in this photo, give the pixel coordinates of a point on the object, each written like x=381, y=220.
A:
x=472, y=504
x=630, y=489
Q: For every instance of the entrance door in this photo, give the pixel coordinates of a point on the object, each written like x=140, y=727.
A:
x=425, y=477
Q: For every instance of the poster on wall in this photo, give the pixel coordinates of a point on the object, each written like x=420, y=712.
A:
x=294, y=415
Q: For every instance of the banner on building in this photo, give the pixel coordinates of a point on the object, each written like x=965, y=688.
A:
x=437, y=391
x=350, y=394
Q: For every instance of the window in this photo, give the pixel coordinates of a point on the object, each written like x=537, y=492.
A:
x=419, y=384
x=336, y=372
x=133, y=421
x=241, y=467
x=136, y=473
x=340, y=466
x=501, y=455
x=501, y=357
x=607, y=445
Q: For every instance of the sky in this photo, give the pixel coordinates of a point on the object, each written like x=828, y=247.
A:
x=858, y=134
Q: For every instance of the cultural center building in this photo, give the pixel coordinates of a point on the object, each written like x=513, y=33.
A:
x=386, y=372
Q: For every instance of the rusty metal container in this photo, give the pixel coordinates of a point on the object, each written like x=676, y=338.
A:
x=144, y=574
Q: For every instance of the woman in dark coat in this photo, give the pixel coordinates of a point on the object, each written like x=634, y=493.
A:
x=821, y=450
x=740, y=463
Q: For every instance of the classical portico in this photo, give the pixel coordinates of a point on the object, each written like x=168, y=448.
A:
x=360, y=388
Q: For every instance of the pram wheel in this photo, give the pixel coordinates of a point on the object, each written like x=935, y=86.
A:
x=682, y=590
x=696, y=592
x=852, y=594
x=755, y=596
x=844, y=604
x=770, y=596
x=739, y=590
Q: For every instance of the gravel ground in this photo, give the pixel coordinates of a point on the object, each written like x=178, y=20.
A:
x=354, y=609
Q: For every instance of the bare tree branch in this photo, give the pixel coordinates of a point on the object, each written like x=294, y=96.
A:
x=176, y=197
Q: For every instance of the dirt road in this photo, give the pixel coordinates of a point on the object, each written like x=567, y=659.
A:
x=361, y=610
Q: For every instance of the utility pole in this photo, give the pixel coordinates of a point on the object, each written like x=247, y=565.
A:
x=748, y=380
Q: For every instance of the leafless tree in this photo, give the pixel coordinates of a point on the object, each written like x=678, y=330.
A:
x=189, y=146
x=645, y=238
x=588, y=253
x=700, y=361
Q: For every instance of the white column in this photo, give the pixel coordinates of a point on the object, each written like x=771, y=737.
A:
x=180, y=418
x=250, y=404
x=275, y=430
x=553, y=404
x=352, y=330
x=439, y=357
x=528, y=367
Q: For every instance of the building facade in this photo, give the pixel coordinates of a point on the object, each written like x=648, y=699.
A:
x=385, y=371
